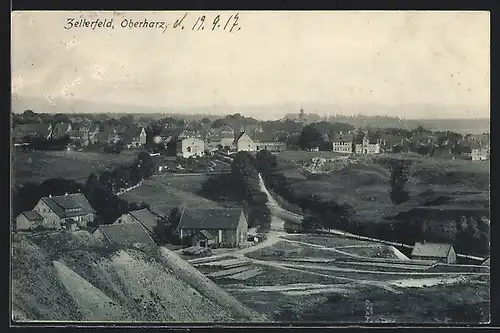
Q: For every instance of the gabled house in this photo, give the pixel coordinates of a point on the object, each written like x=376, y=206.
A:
x=268, y=141
x=60, y=129
x=144, y=216
x=243, y=142
x=134, y=138
x=125, y=234
x=58, y=210
x=439, y=252
x=343, y=143
x=190, y=147
x=29, y=220
x=221, y=227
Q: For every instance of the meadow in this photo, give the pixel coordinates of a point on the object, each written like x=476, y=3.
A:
x=37, y=166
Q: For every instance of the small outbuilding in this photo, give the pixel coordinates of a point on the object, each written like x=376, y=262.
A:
x=439, y=252
x=29, y=220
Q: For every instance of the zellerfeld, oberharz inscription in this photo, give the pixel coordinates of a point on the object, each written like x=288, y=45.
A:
x=187, y=22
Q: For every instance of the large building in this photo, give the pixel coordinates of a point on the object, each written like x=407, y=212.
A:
x=343, y=143
x=61, y=211
x=135, y=137
x=224, y=227
x=369, y=144
x=443, y=253
x=480, y=154
x=190, y=147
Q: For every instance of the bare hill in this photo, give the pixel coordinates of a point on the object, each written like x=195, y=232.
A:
x=70, y=276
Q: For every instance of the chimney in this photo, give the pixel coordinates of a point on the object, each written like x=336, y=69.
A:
x=66, y=194
x=50, y=195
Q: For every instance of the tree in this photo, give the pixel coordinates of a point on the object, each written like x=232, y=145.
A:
x=145, y=164
x=399, y=177
x=29, y=114
x=310, y=138
x=205, y=121
x=265, y=162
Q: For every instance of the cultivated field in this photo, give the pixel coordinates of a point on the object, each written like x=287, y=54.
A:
x=329, y=278
x=37, y=166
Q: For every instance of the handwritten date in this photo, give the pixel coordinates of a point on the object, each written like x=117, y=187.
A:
x=228, y=23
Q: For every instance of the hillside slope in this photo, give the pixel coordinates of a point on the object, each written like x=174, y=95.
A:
x=70, y=276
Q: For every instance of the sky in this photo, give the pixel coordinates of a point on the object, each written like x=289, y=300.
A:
x=270, y=58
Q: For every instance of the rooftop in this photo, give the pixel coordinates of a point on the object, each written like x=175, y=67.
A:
x=126, y=234
x=206, y=219
x=69, y=205
x=434, y=250
x=32, y=215
x=147, y=218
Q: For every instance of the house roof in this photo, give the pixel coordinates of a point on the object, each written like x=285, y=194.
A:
x=61, y=127
x=32, y=215
x=238, y=137
x=70, y=205
x=344, y=137
x=76, y=133
x=434, y=250
x=206, y=219
x=126, y=234
x=264, y=137
x=146, y=218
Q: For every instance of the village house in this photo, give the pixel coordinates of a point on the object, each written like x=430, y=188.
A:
x=134, y=138
x=224, y=227
x=29, y=220
x=59, y=211
x=145, y=217
x=480, y=154
x=21, y=132
x=343, y=143
x=125, y=234
x=244, y=142
x=60, y=129
x=267, y=141
x=190, y=147
x=439, y=252
x=77, y=136
x=369, y=144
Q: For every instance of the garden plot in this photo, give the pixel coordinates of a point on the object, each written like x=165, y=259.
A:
x=226, y=264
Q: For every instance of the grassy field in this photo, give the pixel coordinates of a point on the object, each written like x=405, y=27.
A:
x=190, y=184
x=162, y=198
x=36, y=166
x=365, y=183
x=293, y=291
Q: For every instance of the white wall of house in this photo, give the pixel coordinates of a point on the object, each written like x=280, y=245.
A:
x=479, y=154
x=342, y=147
x=190, y=147
x=22, y=223
x=245, y=143
x=51, y=219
